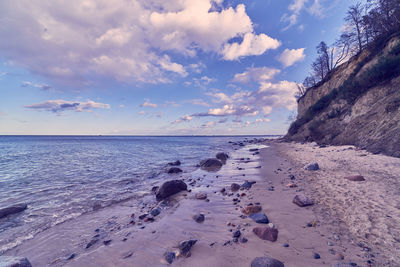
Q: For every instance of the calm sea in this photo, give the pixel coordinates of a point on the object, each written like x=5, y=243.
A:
x=62, y=177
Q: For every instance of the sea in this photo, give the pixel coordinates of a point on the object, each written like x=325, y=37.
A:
x=63, y=177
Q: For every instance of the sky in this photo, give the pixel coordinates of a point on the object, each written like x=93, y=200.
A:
x=156, y=67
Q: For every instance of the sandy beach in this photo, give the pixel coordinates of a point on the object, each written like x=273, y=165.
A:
x=351, y=222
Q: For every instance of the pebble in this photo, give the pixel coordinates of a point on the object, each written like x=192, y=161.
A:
x=237, y=234
x=199, y=218
x=243, y=240
x=107, y=242
x=316, y=256
x=155, y=212
x=169, y=257
x=286, y=245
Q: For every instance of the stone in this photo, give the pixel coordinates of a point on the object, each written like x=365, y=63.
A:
x=169, y=257
x=253, y=149
x=201, y=196
x=94, y=240
x=107, y=242
x=223, y=157
x=266, y=262
x=235, y=187
x=259, y=218
x=291, y=177
x=11, y=261
x=286, y=245
x=12, y=209
x=155, y=212
x=343, y=264
x=355, y=178
x=266, y=233
x=174, y=170
x=176, y=163
x=170, y=188
x=211, y=164
x=316, y=256
x=236, y=234
x=247, y=184
x=141, y=217
x=302, y=201
x=312, y=167
x=186, y=246
x=199, y=218
x=127, y=255
x=243, y=240
x=251, y=209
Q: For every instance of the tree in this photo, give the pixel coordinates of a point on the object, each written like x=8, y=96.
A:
x=354, y=18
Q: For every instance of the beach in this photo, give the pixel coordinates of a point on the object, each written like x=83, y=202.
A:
x=350, y=222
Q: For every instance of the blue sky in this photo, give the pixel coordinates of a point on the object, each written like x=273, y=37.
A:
x=156, y=67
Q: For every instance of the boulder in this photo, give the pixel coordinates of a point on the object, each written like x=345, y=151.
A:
x=170, y=188
x=251, y=209
x=311, y=167
x=201, y=196
x=235, y=187
x=247, y=184
x=174, y=170
x=266, y=262
x=266, y=233
x=223, y=157
x=303, y=201
x=355, y=178
x=259, y=218
x=186, y=246
x=176, y=163
x=211, y=164
x=11, y=261
x=12, y=210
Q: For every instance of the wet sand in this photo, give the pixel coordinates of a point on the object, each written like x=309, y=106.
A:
x=307, y=230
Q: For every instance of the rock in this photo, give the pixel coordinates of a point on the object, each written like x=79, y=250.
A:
x=316, y=256
x=247, y=184
x=169, y=257
x=170, y=188
x=155, y=212
x=211, y=164
x=259, y=218
x=127, y=254
x=302, y=201
x=266, y=262
x=266, y=233
x=251, y=209
x=176, y=163
x=141, y=217
x=355, y=178
x=236, y=234
x=201, y=196
x=286, y=245
x=343, y=264
x=12, y=209
x=11, y=261
x=154, y=189
x=107, y=242
x=186, y=246
x=312, y=167
x=92, y=242
x=222, y=157
x=174, y=170
x=199, y=218
x=235, y=187
x=253, y=149
x=291, y=177
x=73, y=255
x=243, y=240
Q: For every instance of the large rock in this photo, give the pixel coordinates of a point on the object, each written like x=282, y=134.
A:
x=12, y=210
x=259, y=217
x=186, y=246
x=169, y=188
x=223, y=157
x=211, y=164
x=312, y=167
x=10, y=261
x=266, y=262
x=266, y=233
x=303, y=201
x=355, y=178
x=251, y=209
x=174, y=170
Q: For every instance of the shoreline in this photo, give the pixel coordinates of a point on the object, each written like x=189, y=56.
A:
x=122, y=243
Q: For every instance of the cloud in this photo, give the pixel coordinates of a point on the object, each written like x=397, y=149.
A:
x=148, y=104
x=198, y=102
x=295, y=8
x=185, y=118
x=256, y=75
x=130, y=41
x=43, y=87
x=141, y=112
x=200, y=82
x=252, y=45
x=58, y=106
x=291, y=56
x=208, y=124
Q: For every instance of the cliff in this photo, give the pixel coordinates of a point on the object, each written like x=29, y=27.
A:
x=357, y=104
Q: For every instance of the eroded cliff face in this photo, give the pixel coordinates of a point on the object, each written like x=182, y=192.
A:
x=371, y=121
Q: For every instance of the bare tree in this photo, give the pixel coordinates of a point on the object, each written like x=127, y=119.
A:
x=354, y=18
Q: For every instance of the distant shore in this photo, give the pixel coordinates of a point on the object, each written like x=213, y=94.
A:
x=347, y=224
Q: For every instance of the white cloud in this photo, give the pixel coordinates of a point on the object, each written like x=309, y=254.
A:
x=129, y=41
x=141, y=112
x=199, y=102
x=256, y=75
x=148, y=104
x=185, y=118
x=59, y=106
x=252, y=45
x=291, y=56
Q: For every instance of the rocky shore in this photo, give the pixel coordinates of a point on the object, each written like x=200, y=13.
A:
x=253, y=206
